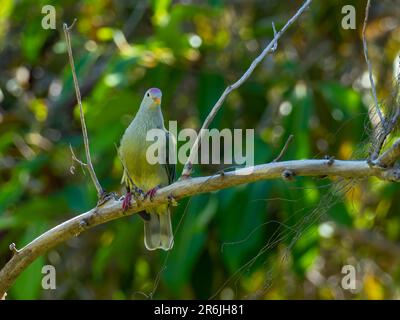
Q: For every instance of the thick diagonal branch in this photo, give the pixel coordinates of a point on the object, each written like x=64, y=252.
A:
x=112, y=209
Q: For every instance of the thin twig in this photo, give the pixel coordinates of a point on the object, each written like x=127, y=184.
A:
x=13, y=248
x=112, y=209
x=390, y=124
x=74, y=157
x=283, y=151
x=100, y=191
x=371, y=78
x=380, y=134
x=187, y=170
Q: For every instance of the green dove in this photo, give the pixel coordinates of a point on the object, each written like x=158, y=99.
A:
x=146, y=175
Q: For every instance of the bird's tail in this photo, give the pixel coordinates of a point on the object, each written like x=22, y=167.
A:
x=158, y=231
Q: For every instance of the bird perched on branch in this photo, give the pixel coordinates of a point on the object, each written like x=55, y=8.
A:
x=146, y=175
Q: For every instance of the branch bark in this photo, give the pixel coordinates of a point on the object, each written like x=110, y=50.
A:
x=112, y=209
x=271, y=47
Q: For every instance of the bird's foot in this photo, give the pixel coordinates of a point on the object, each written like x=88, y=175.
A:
x=127, y=201
x=151, y=193
x=138, y=194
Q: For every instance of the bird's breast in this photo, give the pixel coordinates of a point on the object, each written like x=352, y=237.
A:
x=133, y=151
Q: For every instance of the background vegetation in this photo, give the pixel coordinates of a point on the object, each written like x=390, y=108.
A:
x=315, y=87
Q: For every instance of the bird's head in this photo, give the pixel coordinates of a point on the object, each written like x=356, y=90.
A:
x=153, y=97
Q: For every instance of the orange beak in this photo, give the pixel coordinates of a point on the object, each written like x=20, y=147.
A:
x=157, y=100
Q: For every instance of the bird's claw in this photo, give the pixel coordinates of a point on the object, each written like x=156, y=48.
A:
x=127, y=201
x=151, y=193
x=138, y=194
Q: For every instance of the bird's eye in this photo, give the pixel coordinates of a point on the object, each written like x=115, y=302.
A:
x=148, y=94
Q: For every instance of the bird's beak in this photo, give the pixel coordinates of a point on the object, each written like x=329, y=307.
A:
x=157, y=100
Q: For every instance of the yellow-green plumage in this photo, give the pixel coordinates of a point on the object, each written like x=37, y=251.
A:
x=146, y=176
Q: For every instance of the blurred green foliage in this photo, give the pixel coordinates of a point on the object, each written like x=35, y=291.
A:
x=267, y=240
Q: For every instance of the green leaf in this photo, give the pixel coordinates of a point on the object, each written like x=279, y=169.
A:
x=343, y=98
x=305, y=250
x=211, y=85
x=189, y=241
x=240, y=222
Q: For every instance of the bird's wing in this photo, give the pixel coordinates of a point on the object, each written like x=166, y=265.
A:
x=170, y=165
